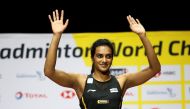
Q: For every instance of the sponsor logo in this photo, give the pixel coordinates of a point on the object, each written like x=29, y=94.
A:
x=168, y=91
x=18, y=95
x=118, y=71
x=21, y=95
x=169, y=72
x=155, y=108
x=129, y=94
x=39, y=75
x=113, y=90
x=165, y=73
x=90, y=81
x=91, y=90
x=102, y=101
x=68, y=94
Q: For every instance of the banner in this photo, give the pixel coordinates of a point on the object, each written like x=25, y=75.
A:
x=24, y=86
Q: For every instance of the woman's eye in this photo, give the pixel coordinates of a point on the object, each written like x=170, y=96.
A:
x=108, y=56
x=99, y=56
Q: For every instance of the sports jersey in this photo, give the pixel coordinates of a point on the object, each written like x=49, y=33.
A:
x=101, y=95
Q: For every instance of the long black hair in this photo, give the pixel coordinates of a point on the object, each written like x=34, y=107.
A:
x=97, y=43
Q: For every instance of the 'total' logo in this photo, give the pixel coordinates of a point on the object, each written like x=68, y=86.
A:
x=18, y=95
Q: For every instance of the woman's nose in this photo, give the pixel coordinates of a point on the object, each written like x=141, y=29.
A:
x=104, y=59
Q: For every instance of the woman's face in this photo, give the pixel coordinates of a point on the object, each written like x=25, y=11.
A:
x=102, y=59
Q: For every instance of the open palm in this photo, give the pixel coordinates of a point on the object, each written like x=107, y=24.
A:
x=57, y=24
x=135, y=25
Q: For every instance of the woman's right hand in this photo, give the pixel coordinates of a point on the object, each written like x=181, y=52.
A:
x=57, y=24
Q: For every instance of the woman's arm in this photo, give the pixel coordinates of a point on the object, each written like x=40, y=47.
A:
x=134, y=79
x=60, y=77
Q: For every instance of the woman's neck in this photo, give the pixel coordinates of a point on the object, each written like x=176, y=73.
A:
x=101, y=77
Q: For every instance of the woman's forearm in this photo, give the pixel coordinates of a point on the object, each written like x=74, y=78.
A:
x=50, y=61
x=154, y=63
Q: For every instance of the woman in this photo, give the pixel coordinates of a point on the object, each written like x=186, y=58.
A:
x=99, y=90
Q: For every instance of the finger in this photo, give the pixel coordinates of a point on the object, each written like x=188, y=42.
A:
x=138, y=21
x=132, y=20
x=54, y=18
x=57, y=14
x=50, y=18
x=129, y=19
x=62, y=12
x=66, y=22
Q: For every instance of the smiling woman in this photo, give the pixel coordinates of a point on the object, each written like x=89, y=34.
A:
x=100, y=89
x=102, y=51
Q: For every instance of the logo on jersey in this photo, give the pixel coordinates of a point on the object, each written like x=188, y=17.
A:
x=102, y=101
x=113, y=90
x=91, y=90
x=90, y=81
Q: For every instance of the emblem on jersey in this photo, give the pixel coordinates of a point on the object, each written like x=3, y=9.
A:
x=90, y=81
x=91, y=90
x=113, y=90
x=102, y=101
